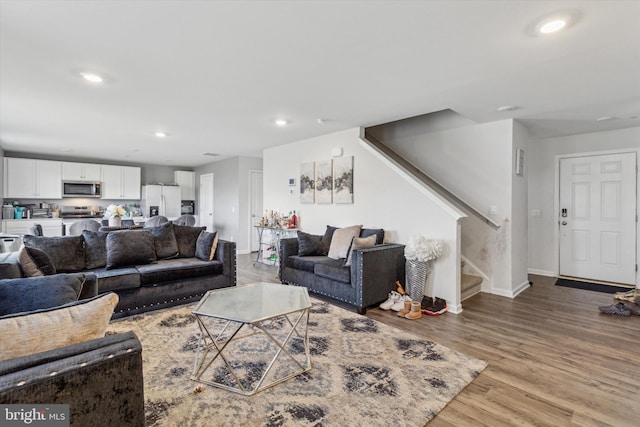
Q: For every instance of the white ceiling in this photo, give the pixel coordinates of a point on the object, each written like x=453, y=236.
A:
x=215, y=74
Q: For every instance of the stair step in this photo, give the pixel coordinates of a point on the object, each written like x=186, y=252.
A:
x=470, y=284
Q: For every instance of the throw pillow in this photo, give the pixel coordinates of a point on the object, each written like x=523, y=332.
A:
x=34, y=293
x=95, y=246
x=165, y=241
x=341, y=241
x=66, y=253
x=43, y=330
x=35, y=262
x=187, y=237
x=359, y=243
x=206, y=245
x=326, y=239
x=130, y=247
x=309, y=244
x=378, y=232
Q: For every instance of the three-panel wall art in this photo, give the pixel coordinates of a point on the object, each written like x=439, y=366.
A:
x=327, y=181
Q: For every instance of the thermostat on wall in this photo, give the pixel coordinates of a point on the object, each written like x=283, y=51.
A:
x=292, y=181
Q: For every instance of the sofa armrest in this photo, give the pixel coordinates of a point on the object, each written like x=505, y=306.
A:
x=288, y=247
x=226, y=253
x=374, y=271
x=101, y=380
x=10, y=267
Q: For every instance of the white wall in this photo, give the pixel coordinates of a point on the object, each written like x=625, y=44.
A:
x=542, y=163
x=382, y=199
x=231, y=197
x=475, y=162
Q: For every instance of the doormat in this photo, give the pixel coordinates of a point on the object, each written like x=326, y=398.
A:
x=589, y=286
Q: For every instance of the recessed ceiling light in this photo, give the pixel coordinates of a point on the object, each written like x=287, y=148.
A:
x=160, y=134
x=552, y=26
x=321, y=121
x=281, y=122
x=604, y=119
x=506, y=108
x=92, y=77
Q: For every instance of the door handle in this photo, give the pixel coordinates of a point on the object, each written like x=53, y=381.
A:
x=564, y=222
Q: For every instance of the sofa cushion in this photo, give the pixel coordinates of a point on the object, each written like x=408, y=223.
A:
x=206, y=245
x=130, y=247
x=118, y=279
x=333, y=270
x=326, y=238
x=378, y=232
x=95, y=247
x=306, y=263
x=34, y=293
x=66, y=253
x=341, y=241
x=187, y=237
x=359, y=243
x=310, y=244
x=35, y=262
x=165, y=241
x=177, y=269
x=43, y=330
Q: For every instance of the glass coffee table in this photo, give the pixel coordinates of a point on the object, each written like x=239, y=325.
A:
x=273, y=346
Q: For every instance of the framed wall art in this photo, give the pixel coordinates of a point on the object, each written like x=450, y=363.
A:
x=324, y=181
x=343, y=179
x=307, y=182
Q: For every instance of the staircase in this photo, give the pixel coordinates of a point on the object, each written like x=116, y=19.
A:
x=470, y=284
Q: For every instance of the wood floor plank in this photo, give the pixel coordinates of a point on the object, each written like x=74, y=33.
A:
x=554, y=359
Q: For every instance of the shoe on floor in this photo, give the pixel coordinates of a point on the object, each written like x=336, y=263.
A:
x=439, y=307
x=620, y=309
x=399, y=305
x=633, y=308
x=393, y=298
x=630, y=295
x=415, y=312
x=426, y=304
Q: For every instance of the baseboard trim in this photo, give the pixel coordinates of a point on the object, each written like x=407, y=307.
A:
x=455, y=309
x=243, y=251
x=511, y=293
x=542, y=272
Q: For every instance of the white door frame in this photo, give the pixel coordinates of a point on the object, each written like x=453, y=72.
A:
x=556, y=200
x=202, y=215
x=250, y=219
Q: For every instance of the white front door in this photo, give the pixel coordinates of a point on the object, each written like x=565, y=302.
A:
x=598, y=217
x=206, y=201
x=256, y=208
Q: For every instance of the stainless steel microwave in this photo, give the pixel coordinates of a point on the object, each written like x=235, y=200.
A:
x=81, y=189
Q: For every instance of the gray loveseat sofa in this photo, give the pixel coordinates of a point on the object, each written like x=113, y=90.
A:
x=367, y=281
x=148, y=269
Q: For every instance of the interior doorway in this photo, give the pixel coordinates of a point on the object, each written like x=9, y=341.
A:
x=206, y=201
x=255, y=203
x=597, y=217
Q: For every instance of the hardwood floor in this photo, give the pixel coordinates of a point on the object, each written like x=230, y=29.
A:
x=554, y=360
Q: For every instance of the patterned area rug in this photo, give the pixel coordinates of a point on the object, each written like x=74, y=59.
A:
x=363, y=373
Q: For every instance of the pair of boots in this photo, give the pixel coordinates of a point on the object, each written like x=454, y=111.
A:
x=411, y=310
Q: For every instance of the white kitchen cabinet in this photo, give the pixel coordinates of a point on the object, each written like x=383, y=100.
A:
x=81, y=171
x=32, y=179
x=20, y=227
x=120, y=182
x=187, y=182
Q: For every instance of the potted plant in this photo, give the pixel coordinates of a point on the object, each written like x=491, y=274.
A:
x=114, y=214
x=420, y=253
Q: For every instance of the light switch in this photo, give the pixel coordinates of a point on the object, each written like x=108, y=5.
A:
x=493, y=209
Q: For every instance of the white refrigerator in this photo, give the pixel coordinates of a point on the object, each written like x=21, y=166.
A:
x=165, y=197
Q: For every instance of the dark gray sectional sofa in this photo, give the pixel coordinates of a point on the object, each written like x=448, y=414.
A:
x=146, y=269
x=366, y=282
